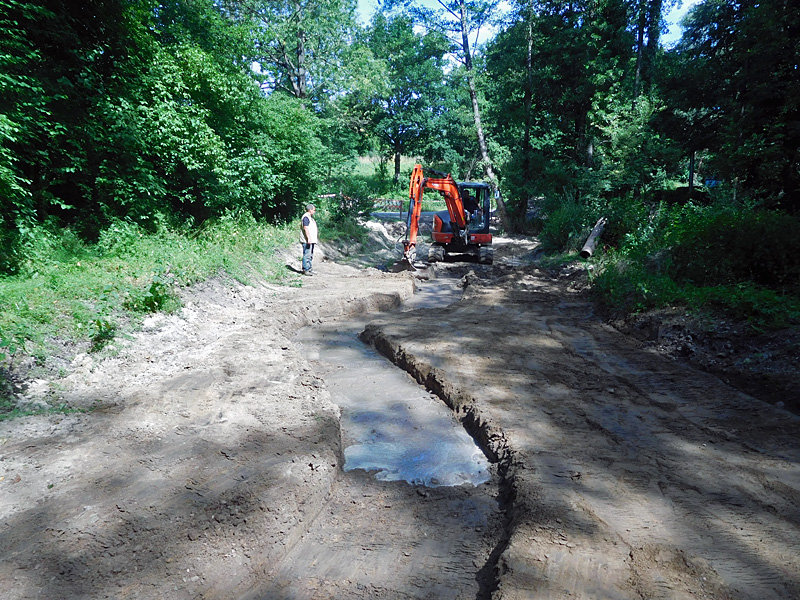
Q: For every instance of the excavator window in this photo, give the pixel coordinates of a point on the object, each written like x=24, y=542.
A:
x=470, y=203
x=473, y=201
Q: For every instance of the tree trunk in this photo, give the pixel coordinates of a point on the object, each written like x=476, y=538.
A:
x=637, y=82
x=398, y=150
x=653, y=36
x=476, y=113
x=649, y=23
x=299, y=83
x=527, y=175
x=301, y=64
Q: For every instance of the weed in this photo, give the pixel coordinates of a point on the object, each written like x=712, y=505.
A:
x=104, y=332
x=563, y=228
x=11, y=342
x=86, y=295
x=157, y=294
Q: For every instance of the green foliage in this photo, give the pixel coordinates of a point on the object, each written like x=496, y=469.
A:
x=629, y=151
x=127, y=112
x=403, y=110
x=713, y=246
x=12, y=340
x=80, y=292
x=563, y=229
x=290, y=147
x=301, y=46
x=743, y=263
x=594, y=125
x=22, y=109
x=763, y=309
x=353, y=202
x=733, y=81
x=625, y=284
x=156, y=293
x=453, y=148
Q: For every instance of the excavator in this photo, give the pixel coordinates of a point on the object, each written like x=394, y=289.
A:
x=462, y=229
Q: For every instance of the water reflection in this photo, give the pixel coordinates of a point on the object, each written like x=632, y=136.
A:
x=391, y=425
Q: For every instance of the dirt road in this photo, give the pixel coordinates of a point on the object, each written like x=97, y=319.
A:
x=210, y=465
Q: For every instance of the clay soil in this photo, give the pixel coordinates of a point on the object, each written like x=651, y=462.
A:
x=644, y=458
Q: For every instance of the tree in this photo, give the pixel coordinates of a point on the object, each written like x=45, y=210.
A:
x=458, y=20
x=735, y=73
x=299, y=45
x=405, y=107
x=128, y=109
x=552, y=71
x=22, y=106
x=648, y=33
x=453, y=146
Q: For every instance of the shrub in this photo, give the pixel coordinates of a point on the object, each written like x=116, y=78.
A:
x=626, y=285
x=159, y=293
x=564, y=227
x=354, y=201
x=713, y=246
x=762, y=308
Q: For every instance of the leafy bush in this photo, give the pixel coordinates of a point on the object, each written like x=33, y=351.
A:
x=743, y=264
x=762, y=308
x=159, y=293
x=563, y=228
x=713, y=246
x=626, y=285
x=353, y=202
x=12, y=340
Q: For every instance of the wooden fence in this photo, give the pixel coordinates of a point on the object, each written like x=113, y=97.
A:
x=388, y=205
x=379, y=204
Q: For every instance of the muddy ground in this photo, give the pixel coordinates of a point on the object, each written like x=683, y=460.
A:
x=210, y=462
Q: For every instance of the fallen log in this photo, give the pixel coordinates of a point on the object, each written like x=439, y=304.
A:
x=589, y=246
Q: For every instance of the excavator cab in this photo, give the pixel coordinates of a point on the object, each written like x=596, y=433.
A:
x=476, y=198
x=471, y=238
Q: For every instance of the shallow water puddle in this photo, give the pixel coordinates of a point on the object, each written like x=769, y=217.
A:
x=390, y=424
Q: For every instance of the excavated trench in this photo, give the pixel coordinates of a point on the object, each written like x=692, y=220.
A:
x=419, y=509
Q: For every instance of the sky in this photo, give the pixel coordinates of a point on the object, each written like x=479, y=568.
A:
x=367, y=7
x=672, y=18
x=365, y=10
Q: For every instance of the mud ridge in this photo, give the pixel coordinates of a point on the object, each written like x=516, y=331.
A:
x=490, y=440
x=208, y=449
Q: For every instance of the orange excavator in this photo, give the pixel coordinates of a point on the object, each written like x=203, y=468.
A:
x=462, y=229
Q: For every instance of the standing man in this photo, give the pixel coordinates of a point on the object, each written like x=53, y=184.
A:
x=308, y=238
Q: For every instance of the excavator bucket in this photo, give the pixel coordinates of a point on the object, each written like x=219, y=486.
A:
x=402, y=265
x=407, y=262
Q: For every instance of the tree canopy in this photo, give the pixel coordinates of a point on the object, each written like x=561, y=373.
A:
x=187, y=109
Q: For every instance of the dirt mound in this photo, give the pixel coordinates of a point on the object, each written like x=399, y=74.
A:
x=765, y=365
x=203, y=459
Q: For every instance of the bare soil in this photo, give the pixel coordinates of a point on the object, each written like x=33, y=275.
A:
x=634, y=459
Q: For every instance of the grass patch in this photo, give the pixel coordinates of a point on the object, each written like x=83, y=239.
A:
x=86, y=295
x=628, y=286
x=9, y=410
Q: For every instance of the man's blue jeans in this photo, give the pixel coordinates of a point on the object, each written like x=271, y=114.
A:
x=308, y=256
